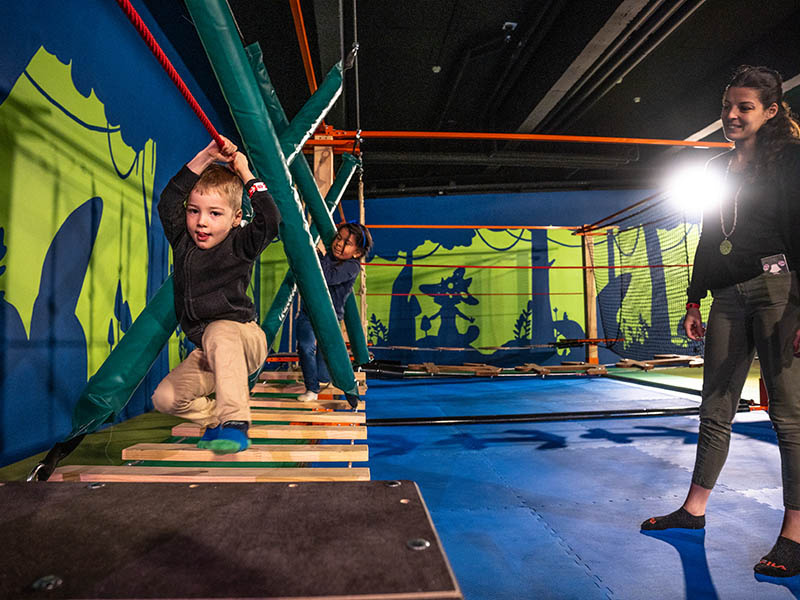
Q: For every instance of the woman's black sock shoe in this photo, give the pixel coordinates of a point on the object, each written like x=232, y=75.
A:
x=681, y=518
x=782, y=561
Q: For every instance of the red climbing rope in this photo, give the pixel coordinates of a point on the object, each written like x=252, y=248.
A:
x=148, y=38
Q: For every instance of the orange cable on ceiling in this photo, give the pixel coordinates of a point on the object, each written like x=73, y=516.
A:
x=472, y=227
x=340, y=137
x=302, y=39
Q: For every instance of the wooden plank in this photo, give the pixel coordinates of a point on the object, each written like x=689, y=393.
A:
x=256, y=453
x=590, y=298
x=306, y=416
x=205, y=474
x=286, y=432
x=323, y=165
x=677, y=359
x=293, y=403
x=361, y=376
x=572, y=367
x=673, y=360
x=293, y=388
x=477, y=369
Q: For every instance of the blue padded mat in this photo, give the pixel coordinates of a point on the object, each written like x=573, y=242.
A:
x=552, y=510
x=514, y=395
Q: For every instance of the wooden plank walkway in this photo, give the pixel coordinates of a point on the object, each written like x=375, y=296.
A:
x=256, y=453
x=206, y=474
x=280, y=388
x=293, y=403
x=361, y=376
x=286, y=432
x=306, y=416
x=323, y=432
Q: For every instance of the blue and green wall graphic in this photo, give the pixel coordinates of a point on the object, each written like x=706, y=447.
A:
x=92, y=130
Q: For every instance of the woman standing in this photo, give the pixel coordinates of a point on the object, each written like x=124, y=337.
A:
x=748, y=257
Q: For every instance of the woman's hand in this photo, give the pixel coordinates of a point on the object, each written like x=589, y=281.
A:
x=693, y=325
x=323, y=250
x=796, y=344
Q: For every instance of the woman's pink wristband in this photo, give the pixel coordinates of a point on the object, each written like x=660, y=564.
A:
x=692, y=305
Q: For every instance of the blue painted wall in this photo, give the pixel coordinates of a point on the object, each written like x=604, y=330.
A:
x=44, y=355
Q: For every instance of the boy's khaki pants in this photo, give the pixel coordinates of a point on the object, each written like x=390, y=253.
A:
x=231, y=351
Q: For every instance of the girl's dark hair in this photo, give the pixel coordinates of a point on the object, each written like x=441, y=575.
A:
x=361, y=235
x=777, y=131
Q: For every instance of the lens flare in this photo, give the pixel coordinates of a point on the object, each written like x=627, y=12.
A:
x=695, y=189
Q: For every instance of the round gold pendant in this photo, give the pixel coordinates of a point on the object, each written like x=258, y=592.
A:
x=725, y=247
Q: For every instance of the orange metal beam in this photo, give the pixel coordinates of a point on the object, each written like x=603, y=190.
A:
x=346, y=136
x=471, y=227
x=302, y=39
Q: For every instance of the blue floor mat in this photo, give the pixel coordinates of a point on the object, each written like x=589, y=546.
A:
x=552, y=510
x=514, y=395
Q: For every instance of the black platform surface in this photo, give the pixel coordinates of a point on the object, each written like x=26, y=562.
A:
x=266, y=540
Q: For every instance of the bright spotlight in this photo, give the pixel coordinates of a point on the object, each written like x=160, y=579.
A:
x=695, y=188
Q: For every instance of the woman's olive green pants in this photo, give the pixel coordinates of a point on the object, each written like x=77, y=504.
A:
x=763, y=315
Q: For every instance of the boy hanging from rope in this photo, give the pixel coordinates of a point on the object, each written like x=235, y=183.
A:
x=201, y=211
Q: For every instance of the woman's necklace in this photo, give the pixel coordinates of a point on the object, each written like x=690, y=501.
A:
x=726, y=245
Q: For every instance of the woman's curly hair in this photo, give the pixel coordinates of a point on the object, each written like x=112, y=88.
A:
x=778, y=131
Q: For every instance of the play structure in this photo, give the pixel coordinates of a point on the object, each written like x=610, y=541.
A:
x=430, y=331
x=272, y=144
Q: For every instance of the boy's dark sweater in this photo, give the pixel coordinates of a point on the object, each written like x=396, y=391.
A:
x=211, y=285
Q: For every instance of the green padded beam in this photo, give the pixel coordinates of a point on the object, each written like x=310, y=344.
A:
x=320, y=210
x=283, y=298
x=217, y=32
x=109, y=389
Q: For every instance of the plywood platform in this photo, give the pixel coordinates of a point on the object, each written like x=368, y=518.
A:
x=344, y=540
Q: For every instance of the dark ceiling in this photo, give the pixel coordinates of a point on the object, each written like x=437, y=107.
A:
x=630, y=68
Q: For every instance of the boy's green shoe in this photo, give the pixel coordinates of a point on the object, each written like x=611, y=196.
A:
x=209, y=435
x=231, y=438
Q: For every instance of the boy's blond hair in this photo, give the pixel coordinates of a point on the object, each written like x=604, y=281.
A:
x=220, y=179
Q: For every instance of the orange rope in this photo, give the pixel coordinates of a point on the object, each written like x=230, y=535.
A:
x=374, y=264
x=519, y=137
x=471, y=227
x=481, y=294
x=302, y=39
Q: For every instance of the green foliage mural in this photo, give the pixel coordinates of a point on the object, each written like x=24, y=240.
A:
x=45, y=180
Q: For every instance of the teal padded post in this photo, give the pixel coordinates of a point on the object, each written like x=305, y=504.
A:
x=352, y=319
x=217, y=32
x=320, y=210
x=108, y=391
x=283, y=298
